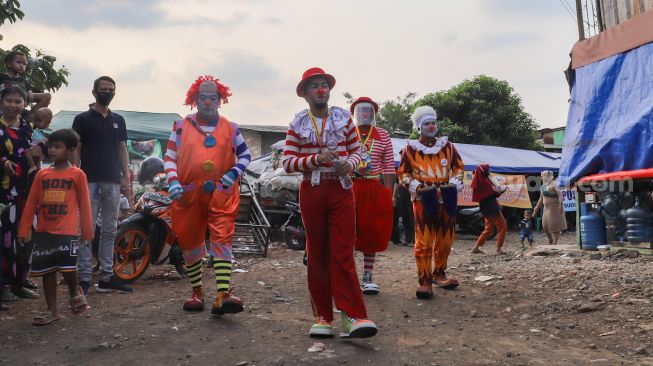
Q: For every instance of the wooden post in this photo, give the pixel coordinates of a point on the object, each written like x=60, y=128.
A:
x=579, y=20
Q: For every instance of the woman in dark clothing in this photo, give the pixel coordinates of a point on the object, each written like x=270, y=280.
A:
x=485, y=192
x=15, y=135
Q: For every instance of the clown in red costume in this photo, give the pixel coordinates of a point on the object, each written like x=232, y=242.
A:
x=322, y=143
x=373, y=185
x=206, y=154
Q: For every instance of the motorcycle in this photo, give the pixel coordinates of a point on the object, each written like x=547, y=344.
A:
x=293, y=228
x=470, y=220
x=146, y=237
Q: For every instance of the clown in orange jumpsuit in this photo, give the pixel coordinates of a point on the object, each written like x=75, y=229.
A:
x=432, y=170
x=205, y=156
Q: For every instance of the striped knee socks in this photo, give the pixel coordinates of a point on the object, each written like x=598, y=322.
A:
x=222, y=270
x=194, y=272
x=368, y=262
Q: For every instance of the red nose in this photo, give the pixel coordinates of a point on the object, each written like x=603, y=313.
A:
x=207, y=103
x=321, y=92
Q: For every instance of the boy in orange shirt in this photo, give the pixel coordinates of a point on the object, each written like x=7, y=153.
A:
x=59, y=196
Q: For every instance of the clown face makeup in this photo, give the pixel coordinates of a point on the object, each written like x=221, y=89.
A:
x=208, y=100
x=364, y=114
x=317, y=92
x=429, y=129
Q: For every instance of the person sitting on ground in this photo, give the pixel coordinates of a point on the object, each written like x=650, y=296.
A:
x=526, y=229
x=16, y=64
x=61, y=199
x=485, y=192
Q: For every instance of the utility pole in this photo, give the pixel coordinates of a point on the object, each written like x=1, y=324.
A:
x=579, y=20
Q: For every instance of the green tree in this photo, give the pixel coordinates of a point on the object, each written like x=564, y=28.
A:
x=394, y=115
x=484, y=111
x=41, y=71
x=10, y=11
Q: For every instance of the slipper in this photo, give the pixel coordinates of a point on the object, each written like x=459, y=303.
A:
x=78, y=303
x=45, y=319
x=501, y=252
x=477, y=251
x=25, y=293
x=8, y=296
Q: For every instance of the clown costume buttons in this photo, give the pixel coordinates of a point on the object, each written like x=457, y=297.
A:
x=208, y=186
x=209, y=141
x=208, y=166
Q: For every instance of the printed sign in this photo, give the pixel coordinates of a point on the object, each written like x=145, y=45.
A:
x=515, y=196
x=569, y=200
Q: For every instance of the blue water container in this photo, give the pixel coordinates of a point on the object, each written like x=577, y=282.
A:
x=592, y=231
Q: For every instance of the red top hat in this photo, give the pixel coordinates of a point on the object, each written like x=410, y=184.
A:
x=310, y=73
x=364, y=100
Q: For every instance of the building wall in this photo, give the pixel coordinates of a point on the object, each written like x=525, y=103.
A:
x=269, y=138
x=614, y=12
x=558, y=137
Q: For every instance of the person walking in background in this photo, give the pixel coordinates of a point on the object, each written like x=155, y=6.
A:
x=553, y=216
x=485, y=192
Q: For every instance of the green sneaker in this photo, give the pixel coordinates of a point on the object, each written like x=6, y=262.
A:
x=356, y=328
x=321, y=329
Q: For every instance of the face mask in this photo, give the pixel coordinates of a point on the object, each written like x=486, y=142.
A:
x=104, y=98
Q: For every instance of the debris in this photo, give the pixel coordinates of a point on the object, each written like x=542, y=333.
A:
x=612, y=332
x=590, y=306
x=534, y=330
x=596, y=256
x=647, y=326
x=483, y=278
x=317, y=347
x=239, y=270
x=261, y=283
x=641, y=350
x=243, y=363
x=101, y=346
x=175, y=328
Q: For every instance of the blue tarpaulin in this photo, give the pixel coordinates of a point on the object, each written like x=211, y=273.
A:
x=610, y=120
x=501, y=159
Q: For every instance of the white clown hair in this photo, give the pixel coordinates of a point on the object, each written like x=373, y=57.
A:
x=423, y=114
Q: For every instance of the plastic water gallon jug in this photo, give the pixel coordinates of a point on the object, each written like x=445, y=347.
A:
x=639, y=223
x=592, y=231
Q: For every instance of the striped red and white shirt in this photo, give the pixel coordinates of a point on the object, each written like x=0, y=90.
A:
x=302, y=146
x=382, y=156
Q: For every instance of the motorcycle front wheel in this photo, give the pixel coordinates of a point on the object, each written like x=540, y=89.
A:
x=131, y=253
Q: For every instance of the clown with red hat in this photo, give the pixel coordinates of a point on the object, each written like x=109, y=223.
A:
x=206, y=154
x=322, y=144
x=373, y=186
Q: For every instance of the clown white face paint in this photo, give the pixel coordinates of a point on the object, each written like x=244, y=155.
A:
x=317, y=92
x=429, y=129
x=208, y=101
x=364, y=114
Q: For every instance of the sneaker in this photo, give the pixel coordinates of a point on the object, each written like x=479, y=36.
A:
x=113, y=284
x=356, y=328
x=368, y=286
x=321, y=329
x=84, y=286
x=225, y=303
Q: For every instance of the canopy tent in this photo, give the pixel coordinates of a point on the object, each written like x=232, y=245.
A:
x=140, y=125
x=610, y=120
x=501, y=159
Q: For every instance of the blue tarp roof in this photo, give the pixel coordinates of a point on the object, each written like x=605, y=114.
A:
x=501, y=159
x=610, y=121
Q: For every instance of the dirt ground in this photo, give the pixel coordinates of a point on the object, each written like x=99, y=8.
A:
x=563, y=308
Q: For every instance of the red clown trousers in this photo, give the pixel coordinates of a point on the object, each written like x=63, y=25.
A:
x=328, y=214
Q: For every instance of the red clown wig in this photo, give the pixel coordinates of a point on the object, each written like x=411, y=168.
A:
x=193, y=91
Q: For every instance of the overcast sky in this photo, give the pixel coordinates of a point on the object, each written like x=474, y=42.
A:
x=378, y=48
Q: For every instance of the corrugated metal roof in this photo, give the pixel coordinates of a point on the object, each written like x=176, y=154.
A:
x=140, y=125
x=264, y=128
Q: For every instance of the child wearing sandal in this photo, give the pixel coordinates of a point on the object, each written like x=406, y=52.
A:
x=59, y=196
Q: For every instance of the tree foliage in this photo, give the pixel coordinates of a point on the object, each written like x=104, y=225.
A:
x=10, y=11
x=41, y=71
x=485, y=111
x=394, y=115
